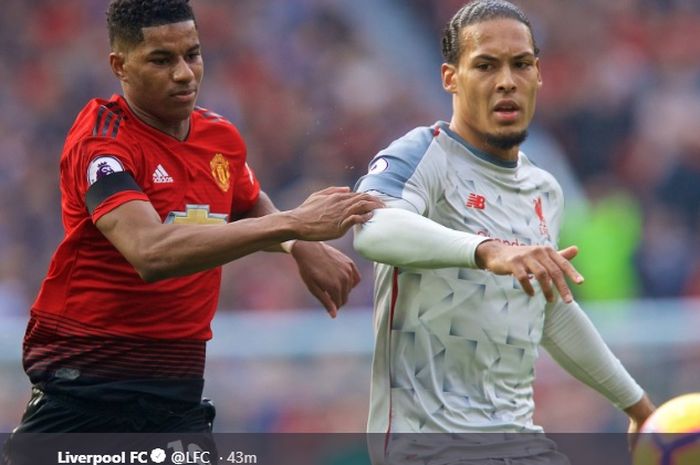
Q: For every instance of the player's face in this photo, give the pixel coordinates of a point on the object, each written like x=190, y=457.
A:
x=161, y=75
x=494, y=85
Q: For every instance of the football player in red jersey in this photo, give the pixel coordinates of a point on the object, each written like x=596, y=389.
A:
x=156, y=196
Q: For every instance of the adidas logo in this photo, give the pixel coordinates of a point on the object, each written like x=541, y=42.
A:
x=160, y=176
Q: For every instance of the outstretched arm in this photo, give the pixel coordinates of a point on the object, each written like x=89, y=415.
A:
x=402, y=238
x=158, y=251
x=638, y=414
x=328, y=273
x=575, y=344
x=265, y=206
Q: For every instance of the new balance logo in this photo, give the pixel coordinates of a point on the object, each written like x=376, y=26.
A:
x=476, y=201
x=160, y=176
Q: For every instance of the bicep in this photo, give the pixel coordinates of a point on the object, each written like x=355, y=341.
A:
x=262, y=206
x=129, y=226
x=395, y=202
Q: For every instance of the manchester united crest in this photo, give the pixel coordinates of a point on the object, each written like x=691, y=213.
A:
x=220, y=171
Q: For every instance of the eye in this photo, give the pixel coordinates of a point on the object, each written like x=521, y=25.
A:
x=193, y=56
x=159, y=61
x=523, y=64
x=484, y=66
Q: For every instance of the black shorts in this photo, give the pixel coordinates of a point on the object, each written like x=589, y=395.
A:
x=59, y=413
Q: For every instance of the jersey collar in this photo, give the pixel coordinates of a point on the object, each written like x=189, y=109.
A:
x=445, y=127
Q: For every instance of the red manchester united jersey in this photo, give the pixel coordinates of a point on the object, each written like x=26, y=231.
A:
x=91, y=293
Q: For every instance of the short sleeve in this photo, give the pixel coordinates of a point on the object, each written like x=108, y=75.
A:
x=93, y=160
x=246, y=191
x=397, y=171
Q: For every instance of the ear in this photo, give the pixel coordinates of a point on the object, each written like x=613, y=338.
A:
x=116, y=62
x=449, y=80
x=539, y=72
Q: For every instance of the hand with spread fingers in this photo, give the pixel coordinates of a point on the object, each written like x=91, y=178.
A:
x=545, y=264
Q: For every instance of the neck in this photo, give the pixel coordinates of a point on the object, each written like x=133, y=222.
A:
x=481, y=141
x=178, y=129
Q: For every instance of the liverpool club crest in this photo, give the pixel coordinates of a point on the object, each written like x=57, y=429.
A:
x=539, y=211
x=220, y=171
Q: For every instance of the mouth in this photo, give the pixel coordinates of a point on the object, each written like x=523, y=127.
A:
x=184, y=95
x=507, y=110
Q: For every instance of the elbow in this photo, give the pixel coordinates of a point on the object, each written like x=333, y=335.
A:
x=152, y=267
x=149, y=275
x=364, y=241
x=383, y=238
x=375, y=246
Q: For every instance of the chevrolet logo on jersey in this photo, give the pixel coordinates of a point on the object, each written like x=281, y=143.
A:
x=196, y=214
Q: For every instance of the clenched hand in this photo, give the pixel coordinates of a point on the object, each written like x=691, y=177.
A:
x=328, y=273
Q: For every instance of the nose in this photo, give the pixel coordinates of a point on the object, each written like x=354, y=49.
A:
x=506, y=83
x=182, y=71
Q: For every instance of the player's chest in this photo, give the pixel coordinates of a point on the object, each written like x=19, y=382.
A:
x=517, y=212
x=189, y=182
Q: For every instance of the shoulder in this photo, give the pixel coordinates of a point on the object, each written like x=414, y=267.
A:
x=540, y=176
x=99, y=118
x=209, y=117
x=404, y=154
x=413, y=145
x=101, y=127
x=210, y=122
x=400, y=163
x=535, y=171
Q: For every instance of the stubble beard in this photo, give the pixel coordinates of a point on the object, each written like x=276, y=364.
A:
x=505, y=141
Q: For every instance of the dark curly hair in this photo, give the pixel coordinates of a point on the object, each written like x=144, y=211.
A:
x=126, y=18
x=477, y=12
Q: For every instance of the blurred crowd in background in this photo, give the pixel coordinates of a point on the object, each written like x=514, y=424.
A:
x=317, y=87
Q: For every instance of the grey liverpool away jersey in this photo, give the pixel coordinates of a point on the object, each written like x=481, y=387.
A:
x=455, y=348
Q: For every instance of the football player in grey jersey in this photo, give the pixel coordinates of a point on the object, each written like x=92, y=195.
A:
x=469, y=281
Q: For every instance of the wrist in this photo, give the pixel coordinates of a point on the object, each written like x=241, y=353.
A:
x=640, y=410
x=485, y=252
x=301, y=248
x=288, y=245
x=291, y=225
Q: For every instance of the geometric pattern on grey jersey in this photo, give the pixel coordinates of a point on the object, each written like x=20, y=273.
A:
x=459, y=353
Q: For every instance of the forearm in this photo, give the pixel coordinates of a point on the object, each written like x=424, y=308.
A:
x=575, y=344
x=182, y=250
x=401, y=238
x=264, y=206
x=158, y=251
